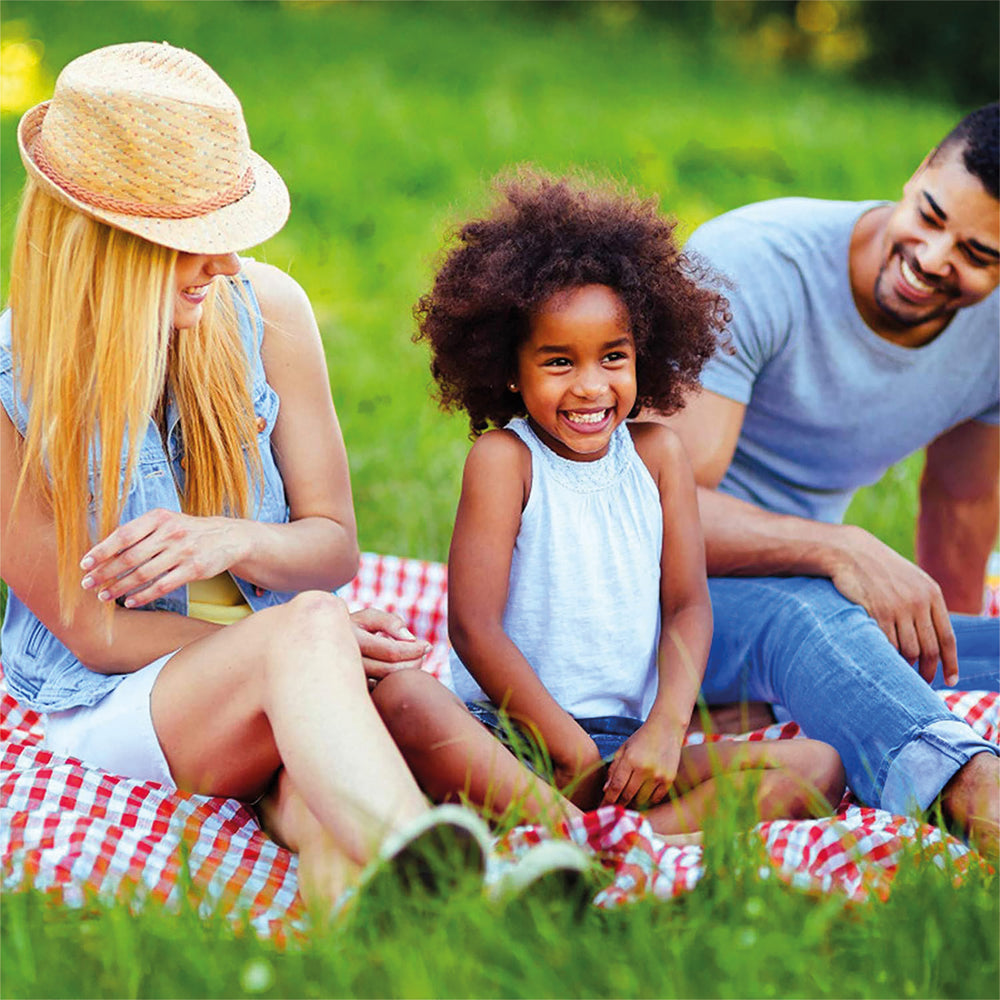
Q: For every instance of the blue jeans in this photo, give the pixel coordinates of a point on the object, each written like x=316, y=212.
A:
x=797, y=643
x=608, y=732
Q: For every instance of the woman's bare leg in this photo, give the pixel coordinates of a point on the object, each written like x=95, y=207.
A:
x=795, y=779
x=325, y=871
x=453, y=755
x=286, y=687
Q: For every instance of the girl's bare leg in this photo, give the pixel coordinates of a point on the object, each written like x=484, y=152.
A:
x=795, y=779
x=453, y=755
x=285, y=687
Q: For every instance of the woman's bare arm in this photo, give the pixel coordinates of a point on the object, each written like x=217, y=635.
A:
x=108, y=641
x=160, y=551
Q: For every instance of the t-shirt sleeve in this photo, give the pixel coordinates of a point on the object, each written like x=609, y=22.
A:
x=744, y=268
x=991, y=415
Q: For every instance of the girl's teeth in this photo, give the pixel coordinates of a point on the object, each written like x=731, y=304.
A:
x=911, y=279
x=586, y=418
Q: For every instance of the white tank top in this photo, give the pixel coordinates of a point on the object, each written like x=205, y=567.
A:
x=584, y=599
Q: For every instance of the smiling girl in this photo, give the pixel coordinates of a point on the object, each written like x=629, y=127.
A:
x=578, y=601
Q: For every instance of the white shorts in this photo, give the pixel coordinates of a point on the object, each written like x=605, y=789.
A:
x=117, y=733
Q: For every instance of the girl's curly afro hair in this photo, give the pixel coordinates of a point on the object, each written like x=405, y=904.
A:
x=546, y=235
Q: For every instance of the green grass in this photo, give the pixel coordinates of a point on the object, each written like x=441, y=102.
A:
x=387, y=120
x=735, y=935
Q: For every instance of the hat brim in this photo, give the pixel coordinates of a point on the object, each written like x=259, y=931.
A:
x=244, y=223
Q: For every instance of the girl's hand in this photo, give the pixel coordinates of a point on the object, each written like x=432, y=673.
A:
x=160, y=551
x=386, y=643
x=644, y=767
x=579, y=773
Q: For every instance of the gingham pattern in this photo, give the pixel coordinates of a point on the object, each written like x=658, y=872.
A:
x=415, y=590
x=75, y=831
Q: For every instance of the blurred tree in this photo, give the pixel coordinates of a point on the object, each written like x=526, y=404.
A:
x=948, y=48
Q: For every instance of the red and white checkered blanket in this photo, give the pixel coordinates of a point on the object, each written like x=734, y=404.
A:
x=75, y=831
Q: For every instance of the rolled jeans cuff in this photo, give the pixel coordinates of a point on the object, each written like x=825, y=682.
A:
x=927, y=762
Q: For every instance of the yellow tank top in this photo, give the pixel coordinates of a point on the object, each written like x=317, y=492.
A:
x=217, y=600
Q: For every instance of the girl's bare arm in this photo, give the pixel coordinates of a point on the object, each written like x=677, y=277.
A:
x=494, y=490
x=646, y=764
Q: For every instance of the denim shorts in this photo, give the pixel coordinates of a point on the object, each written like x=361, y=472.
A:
x=608, y=732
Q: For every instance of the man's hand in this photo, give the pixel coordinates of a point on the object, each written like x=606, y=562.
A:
x=645, y=766
x=386, y=643
x=904, y=600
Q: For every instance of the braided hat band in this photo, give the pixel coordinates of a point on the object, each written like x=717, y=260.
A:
x=149, y=139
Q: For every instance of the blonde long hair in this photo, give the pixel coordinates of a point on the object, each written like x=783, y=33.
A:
x=94, y=350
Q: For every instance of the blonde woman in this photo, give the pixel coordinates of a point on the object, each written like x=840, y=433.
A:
x=176, y=499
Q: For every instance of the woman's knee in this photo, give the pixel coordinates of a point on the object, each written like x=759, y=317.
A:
x=316, y=611
x=313, y=628
x=313, y=617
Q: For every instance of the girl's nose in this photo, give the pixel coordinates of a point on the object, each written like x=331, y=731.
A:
x=590, y=383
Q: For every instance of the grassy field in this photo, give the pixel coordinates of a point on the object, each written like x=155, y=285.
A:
x=387, y=121
x=735, y=935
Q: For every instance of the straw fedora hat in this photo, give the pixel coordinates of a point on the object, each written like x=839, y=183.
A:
x=148, y=138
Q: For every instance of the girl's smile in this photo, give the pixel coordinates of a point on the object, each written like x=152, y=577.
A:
x=193, y=276
x=576, y=371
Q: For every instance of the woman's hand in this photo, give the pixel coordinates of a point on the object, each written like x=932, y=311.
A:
x=160, y=551
x=644, y=767
x=386, y=643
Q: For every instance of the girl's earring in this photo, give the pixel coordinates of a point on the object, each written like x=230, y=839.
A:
x=512, y=386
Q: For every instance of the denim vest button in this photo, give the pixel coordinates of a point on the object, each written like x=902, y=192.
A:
x=261, y=425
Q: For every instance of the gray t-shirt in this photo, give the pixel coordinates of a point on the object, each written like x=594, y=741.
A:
x=830, y=404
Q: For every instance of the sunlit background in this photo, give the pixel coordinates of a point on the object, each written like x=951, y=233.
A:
x=388, y=119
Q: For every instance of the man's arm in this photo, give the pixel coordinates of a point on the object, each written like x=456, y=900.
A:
x=960, y=511
x=742, y=539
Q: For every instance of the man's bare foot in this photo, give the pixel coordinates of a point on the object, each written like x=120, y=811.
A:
x=971, y=800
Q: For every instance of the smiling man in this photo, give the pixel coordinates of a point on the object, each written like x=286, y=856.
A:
x=861, y=332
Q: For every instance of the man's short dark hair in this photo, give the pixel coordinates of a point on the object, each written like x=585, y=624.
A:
x=976, y=136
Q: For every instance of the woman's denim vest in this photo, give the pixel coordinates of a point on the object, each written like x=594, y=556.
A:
x=40, y=671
